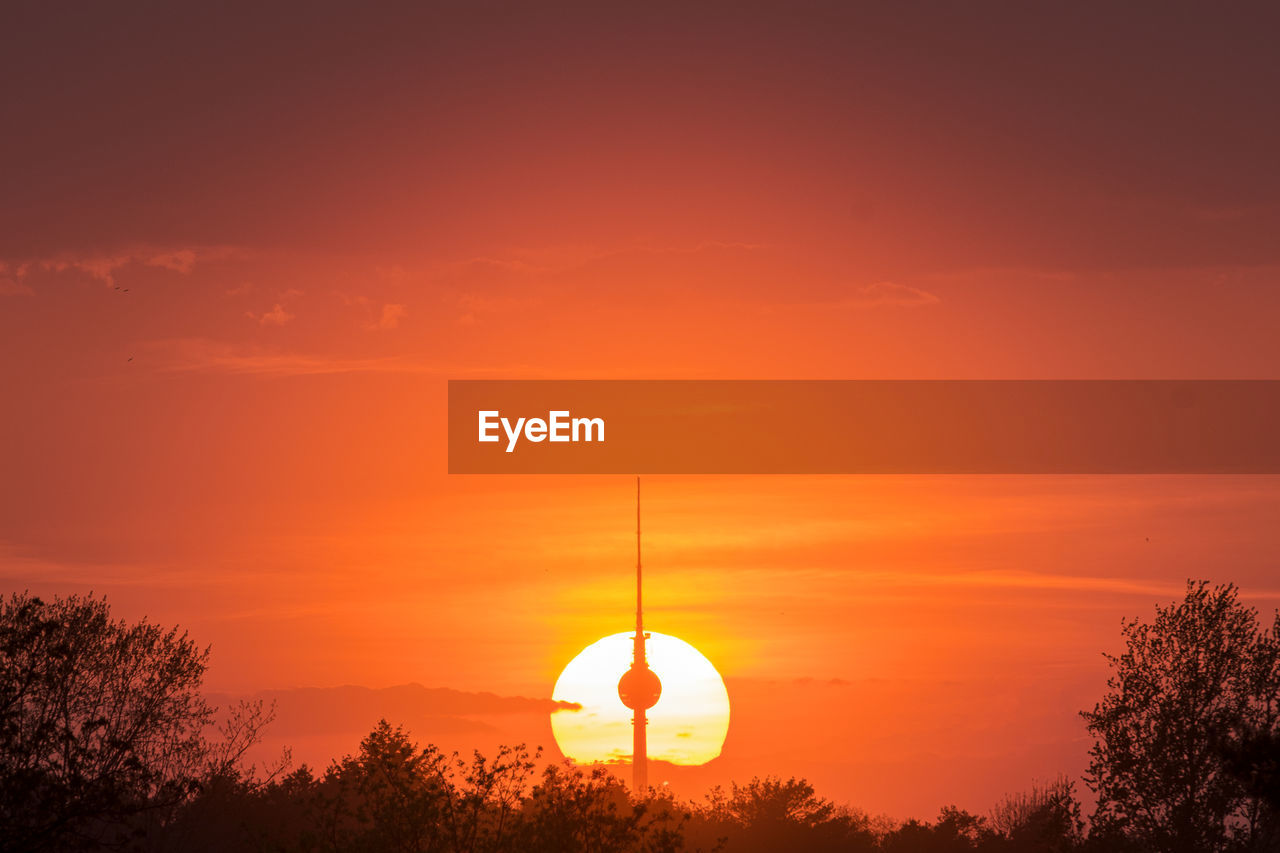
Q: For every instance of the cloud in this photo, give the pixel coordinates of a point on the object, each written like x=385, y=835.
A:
x=1033, y=580
x=388, y=318
x=880, y=294
x=103, y=266
x=180, y=260
x=392, y=314
x=277, y=316
x=204, y=356
x=562, y=258
x=200, y=355
x=317, y=724
x=100, y=267
x=9, y=284
x=535, y=260
x=331, y=710
x=887, y=293
x=395, y=273
x=473, y=305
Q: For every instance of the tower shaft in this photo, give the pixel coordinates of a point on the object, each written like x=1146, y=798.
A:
x=639, y=720
x=640, y=752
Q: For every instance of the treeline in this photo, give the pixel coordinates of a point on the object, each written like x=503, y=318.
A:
x=393, y=795
x=106, y=743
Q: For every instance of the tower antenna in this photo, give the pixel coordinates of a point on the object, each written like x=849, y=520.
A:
x=639, y=571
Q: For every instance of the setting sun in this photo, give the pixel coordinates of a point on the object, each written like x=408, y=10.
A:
x=687, y=726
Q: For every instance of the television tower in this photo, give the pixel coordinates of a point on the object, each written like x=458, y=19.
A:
x=639, y=687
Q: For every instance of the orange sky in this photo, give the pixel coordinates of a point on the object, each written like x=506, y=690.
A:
x=322, y=216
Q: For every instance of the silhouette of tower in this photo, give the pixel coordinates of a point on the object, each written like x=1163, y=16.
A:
x=639, y=688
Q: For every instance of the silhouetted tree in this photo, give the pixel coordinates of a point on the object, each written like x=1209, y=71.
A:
x=483, y=813
x=1188, y=687
x=390, y=796
x=761, y=802
x=1252, y=759
x=1045, y=819
x=912, y=836
x=395, y=796
x=955, y=831
x=772, y=814
x=1252, y=755
x=580, y=810
x=102, y=725
x=99, y=721
x=958, y=829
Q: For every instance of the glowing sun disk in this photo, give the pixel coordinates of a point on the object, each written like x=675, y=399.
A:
x=687, y=726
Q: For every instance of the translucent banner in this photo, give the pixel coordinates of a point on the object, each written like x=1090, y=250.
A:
x=864, y=427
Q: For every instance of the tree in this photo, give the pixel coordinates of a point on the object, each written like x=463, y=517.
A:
x=1188, y=687
x=390, y=796
x=1045, y=819
x=580, y=810
x=772, y=814
x=1252, y=754
x=957, y=829
x=101, y=724
x=398, y=797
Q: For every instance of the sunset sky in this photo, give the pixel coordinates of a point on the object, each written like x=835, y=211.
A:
x=243, y=249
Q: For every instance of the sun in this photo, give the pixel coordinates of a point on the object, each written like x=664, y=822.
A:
x=687, y=726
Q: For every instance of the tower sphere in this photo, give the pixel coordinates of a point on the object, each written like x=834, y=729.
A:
x=639, y=688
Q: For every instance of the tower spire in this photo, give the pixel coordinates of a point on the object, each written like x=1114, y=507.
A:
x=639, y=571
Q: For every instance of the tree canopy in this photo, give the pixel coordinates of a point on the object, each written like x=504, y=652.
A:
x=1193, y=689
x=102, y=723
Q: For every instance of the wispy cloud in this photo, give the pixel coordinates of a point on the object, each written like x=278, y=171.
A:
x=199, y=355
x=392, y=314
x=204, y=356
x=180, y=260
x=104, y=266
x=880, y=294
x=22, y=567
x=9, y=284
x=323, y=709
x=375, y=318
x=473, y=305
x=554, y=259
x=1011, y=579
x=277, y=316
x=887, y=293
